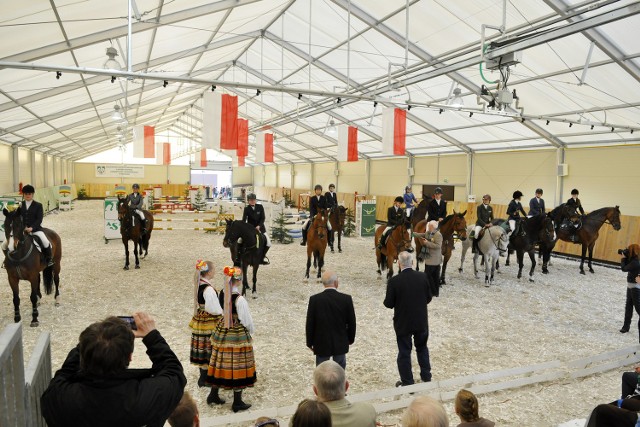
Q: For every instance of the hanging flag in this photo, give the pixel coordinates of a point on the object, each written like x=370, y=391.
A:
x=347, y=143
x=394, y=131
x=163, y=153
x=144, y=142
x=220, y=121
x=203, y=158
x=264, y=147
x=237, y=161
x=243, y=137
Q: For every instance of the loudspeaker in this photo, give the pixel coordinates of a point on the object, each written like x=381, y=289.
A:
x=563, y=169
x=411, y=172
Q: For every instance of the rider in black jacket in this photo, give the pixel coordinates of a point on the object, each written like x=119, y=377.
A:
x=254, y=215
x=316, y=202
x=631, y=265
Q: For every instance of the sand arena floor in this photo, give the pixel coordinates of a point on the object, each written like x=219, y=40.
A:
x=473, y=329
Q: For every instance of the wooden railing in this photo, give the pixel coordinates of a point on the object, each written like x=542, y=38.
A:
x=20, y=400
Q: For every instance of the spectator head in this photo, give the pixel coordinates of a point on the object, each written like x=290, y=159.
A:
x=106, y=347
x=432, y=226
x=330, y=279
x=266, y=422
x=405, y=260
x=186, y=413
x=311, y=413
x=329, y=381
x=634, y=250
x=425, y=412
x=467, y=406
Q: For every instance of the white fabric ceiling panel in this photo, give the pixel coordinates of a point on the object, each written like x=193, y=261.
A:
x=67, y=120
x=37, y=17
x=14, y=117
x=54, y=104
x=620, y=30
x=248, y=18
x=170, y=39
x=105, y=15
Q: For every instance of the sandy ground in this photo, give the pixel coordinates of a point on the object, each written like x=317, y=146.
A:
x=473, y=329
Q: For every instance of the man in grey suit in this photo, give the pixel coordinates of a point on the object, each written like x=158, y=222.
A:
x=331, y=322
x=433, y=241
x=408, y=294
x=330, y=386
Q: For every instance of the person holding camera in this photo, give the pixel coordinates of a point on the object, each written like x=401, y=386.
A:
x=94, y=386
x=631, y=265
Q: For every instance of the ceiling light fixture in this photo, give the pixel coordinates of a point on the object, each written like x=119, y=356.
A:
x=116, y=115
x=112, y=63
x=456, y=101
x=331, y=129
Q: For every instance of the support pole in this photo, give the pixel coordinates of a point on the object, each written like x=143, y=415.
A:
x=559, y=179
x=16, y=168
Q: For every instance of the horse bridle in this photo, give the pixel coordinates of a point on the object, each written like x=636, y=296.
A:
x=495, y=242
x=403, y=241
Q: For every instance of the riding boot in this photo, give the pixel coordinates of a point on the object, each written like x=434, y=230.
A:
x=203, y=377
x=214, y=397
x=265, y=260
x=382, y=242
x=304, y=237
x=48, y=256
x=474, y=247
x=238, y=404
x=143, y=226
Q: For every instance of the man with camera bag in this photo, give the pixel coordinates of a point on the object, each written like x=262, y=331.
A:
x=631, y=265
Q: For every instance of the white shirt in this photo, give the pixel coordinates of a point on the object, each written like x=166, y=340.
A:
x=244, y=316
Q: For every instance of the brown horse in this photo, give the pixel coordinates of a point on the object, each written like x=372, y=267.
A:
x=588, y=233
x=132, y=230
x=398, y=240
x=317, y=242
x=25, y=262
x=450, y=225
x=337, y=216
x=420, y=212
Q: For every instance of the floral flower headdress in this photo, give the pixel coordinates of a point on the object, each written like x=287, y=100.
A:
x=202, y=265
x=233, y=272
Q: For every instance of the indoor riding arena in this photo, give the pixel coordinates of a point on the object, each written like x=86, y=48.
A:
x=205, y=104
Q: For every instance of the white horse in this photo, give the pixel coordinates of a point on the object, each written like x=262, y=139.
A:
x=494, y=241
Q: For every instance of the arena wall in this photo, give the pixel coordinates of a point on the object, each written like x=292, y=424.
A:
x=302, y=177
x=6, y=169
x=24, y=166
x=153, y=174
x=241, y=176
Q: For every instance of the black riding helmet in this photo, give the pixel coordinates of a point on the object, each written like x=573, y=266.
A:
x=399, y=199
x=331, y=186
x=517, y=194
x=251, y=196
x=438, y=190
x=574, y=191
x=28, y=189
x=317, y=187
x=135, y=186
x=539, y=191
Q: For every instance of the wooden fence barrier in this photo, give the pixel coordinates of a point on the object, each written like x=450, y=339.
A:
x=20, y=399
x=445, y=390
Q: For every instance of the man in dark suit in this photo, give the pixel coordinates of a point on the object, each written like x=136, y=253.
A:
x=408, y=294
x=395, y=217
x=254, y=215
x=437, y=209
x=331, y=322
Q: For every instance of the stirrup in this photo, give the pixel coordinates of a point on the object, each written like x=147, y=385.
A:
x=265, y=261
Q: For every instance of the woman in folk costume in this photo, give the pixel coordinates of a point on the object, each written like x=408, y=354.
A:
x=207, y=313
x=232, y=364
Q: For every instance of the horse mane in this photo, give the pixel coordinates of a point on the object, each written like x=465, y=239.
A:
x=446, y=219
x=601, y=210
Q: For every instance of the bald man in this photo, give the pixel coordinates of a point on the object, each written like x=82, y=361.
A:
x=331, y=322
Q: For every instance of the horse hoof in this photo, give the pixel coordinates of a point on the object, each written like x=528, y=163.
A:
x=57, y=304
x=137, y=267
x=486, y=284
x=507, y=264
x=34, y=324
x=582, y=272
x=254, y=295
x=305, y=280
x=519, y=276
x=17, y=319
x=459, y=270
x=591, y=270
x=531, y=280
x=339, y=250
x=545, y=271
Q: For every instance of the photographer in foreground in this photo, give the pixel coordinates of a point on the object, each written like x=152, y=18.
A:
x=631, y=265
x=95, y=388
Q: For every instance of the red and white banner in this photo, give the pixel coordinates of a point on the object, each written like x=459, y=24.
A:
x=163, y=153
x=220, y=121
x=144, y=142
x=264, y=147
x=237, y=161
x=394, y=131
x=347, y=143
x=203, y=158
x=243, y=138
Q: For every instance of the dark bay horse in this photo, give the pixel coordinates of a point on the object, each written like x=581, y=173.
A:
x=131, y=229
x=25, y=262
x=247, y=249
x=317, y=242
x=420, y=211
x=538, y=229
x=452, y=226
x=337, y=216
x=398, y=240
x=589, y=232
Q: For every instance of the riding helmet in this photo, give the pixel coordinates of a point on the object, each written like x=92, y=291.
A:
x=332, y=186
x=318, y=187
x=574, y=191
x=487, y=196
x=399, y=199
x=517, y=194
x=538, y=190
x=438, y=190
x=28, y=189
x=135, y=186
x=407, y=188
x=251, y=196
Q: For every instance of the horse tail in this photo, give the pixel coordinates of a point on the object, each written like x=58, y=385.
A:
x=383, y=262
x=48, y=280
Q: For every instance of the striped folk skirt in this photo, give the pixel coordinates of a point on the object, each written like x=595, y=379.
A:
x=232, y=364
x=202, y=326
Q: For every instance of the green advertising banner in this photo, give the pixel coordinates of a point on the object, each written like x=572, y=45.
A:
x=111, y=223
x=6, y=203
x=367, y=218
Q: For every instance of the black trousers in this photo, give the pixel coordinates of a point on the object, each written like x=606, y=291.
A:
x=611, y=416
x=433, y=278
x=633, y=301
x=629, y=383
x=404, y=356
